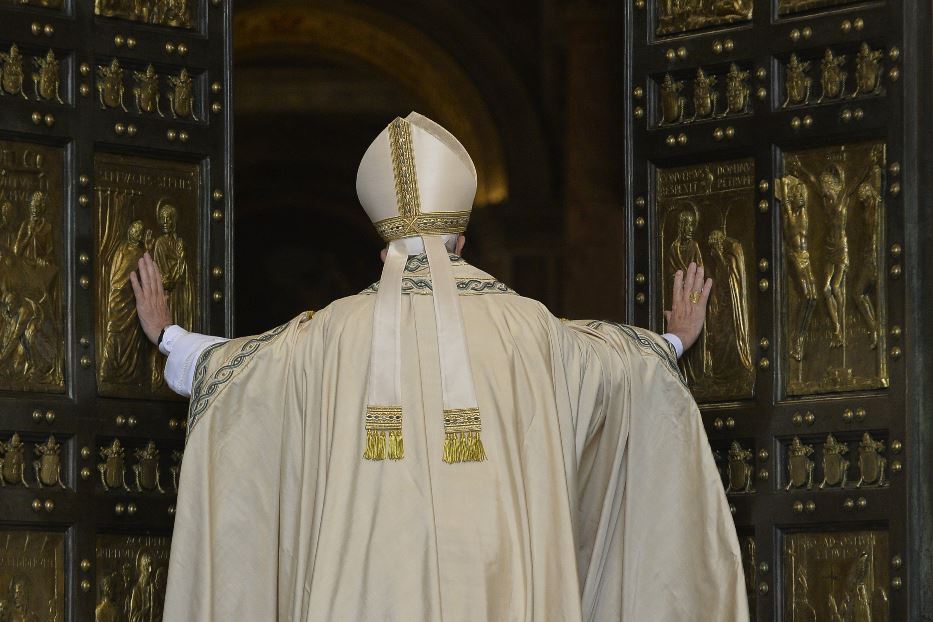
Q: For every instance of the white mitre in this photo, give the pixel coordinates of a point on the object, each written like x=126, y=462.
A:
x=417, y=184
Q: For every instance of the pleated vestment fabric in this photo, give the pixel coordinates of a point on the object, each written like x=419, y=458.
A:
x=599, y=498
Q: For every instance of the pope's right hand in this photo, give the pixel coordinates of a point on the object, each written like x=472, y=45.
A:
x=688, y=304
x=151, y=299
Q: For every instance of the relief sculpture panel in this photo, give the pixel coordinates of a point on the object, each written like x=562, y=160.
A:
x=32, y=356
x=836, y=576
x=789, y=7
x=132, y=572
x=46, y=4
x=705, y=214
x=32, y=576
x=834, y=309
x=713, y=94
x=676, y=16
x=142, y=205
x=177, y=13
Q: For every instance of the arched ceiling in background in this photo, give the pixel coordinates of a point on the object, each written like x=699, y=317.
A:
x=398, y=50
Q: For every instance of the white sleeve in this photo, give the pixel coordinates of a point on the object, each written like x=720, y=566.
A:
x=183, y=350
x=675, y=341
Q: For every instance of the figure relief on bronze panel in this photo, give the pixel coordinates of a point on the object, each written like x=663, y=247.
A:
x=143, y=205
x=737, y=99
x=32, y=576
x=706, y=216
x=832, y=76
x=11, y=73
x=175, y=13
x=705, y=96
x=13, y=462
x=32, y=354
x=48, y=463
x=146, y=92
x=871, y=462
x=797, y=82
x=672, y=102
x=836, y=576
x=676, y=16
x=835, y=464
x=47, y=79
x=868, y=71
x=181, y=96
x=110, y=88
x=740, y=471
x=132, y=573
x=799, y=465
x=146, y=469
x=788, y=7
x=45, y=4
x=833, y=311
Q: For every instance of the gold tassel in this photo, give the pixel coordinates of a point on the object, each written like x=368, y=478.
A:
x=375, y=445
x=384, y=433
x=396, y=445
x=462, y=442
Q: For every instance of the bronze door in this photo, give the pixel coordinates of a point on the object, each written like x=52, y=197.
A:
x=114, y=139
x=769, y=141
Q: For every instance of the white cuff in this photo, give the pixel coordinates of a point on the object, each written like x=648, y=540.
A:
x=675, y=341
x=183, y=350
x=171, y=334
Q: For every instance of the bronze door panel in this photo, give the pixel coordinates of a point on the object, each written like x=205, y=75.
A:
x=110, y=114
x=832, y=210
x=171, y=13
x=680, y=16
x=705, y=214
x=809, y=412
x=32, y=575
x=836, y=575
x=143, y=205
x=32, y=305
x=132, y=572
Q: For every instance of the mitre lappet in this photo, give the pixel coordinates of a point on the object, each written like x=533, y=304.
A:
x=417, y=184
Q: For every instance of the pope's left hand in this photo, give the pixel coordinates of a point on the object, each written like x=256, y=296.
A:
x=688, y=307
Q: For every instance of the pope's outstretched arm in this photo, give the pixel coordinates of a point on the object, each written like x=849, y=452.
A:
x=183, y=348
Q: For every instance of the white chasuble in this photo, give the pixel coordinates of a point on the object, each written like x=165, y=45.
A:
x=598, y=498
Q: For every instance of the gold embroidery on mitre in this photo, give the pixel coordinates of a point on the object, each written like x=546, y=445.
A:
x=384, y=433
x=462, y=442
x=411, y=221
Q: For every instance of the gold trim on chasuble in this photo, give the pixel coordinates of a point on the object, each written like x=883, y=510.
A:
x=411, y=221
x=462, y=442
x=384, y=433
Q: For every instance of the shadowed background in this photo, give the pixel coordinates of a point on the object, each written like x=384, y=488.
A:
x=530, y=88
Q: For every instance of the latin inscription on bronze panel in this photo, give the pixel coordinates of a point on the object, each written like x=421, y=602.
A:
x=143, y=205
x=177, y=13
x=705, y=214
x=836, y=576
x=32, y=576
x=676, y=16
x=131, y=577
x=32, y=318
x=832, y=210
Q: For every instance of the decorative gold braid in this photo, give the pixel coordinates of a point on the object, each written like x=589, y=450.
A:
x=403, y=166
x=384, y=433
x=462, y=442
x=411, y=220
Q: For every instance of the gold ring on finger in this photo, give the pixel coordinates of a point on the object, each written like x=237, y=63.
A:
x=695, y=297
